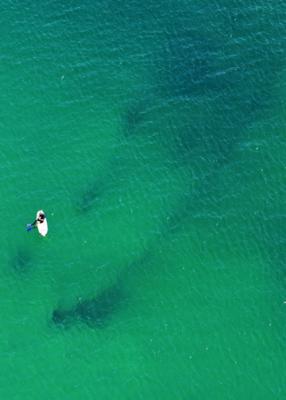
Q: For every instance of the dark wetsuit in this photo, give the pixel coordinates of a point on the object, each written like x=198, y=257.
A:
x=40, y=219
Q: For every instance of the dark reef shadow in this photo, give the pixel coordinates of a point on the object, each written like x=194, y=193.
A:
x=96, y=312
x=189, y=64
x=88, y=198
x=92, y=194
x=21, y=261
x=133, y=116
x=212, y=57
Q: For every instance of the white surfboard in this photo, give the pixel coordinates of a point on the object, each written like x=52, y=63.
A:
x=42, y=226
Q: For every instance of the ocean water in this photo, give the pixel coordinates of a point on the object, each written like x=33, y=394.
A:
x=153, y=136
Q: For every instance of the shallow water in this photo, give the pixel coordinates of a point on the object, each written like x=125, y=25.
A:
x=153, y=137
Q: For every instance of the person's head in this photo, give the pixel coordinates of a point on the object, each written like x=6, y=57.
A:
x=41, y=215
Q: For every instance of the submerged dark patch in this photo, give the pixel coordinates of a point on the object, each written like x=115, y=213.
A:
x=190, y=67
x=93, y=193
x=223, y=60
x=133, y=117
x=88, y=199
x=21, y=261
x=96, y=312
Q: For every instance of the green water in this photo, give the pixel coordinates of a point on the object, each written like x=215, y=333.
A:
x=153, y=136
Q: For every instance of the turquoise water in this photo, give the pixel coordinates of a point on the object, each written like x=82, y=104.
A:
x=152, y=134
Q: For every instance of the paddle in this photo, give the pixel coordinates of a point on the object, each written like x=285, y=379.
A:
x=29, y=227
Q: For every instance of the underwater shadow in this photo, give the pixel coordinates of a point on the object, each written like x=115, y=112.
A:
x=21, y=261
x=96, y=312
x=133, y=116
x=88, y=198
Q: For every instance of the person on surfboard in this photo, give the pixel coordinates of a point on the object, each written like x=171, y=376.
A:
x=40, y=219
x=40, y=223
